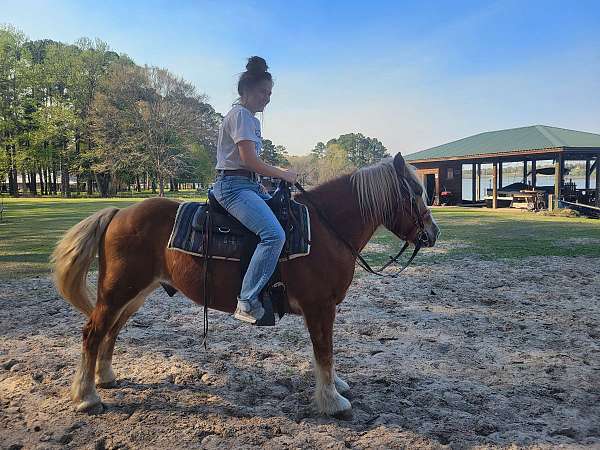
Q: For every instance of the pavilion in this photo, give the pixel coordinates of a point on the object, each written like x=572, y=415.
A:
x=441, y=166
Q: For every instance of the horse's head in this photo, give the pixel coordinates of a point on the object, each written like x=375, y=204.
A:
x=413, y=221
x=390, y=193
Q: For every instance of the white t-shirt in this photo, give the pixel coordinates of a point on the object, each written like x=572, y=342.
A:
x=238, y=125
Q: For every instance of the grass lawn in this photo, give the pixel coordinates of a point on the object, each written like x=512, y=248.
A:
x=503, y=233
x=31, y=227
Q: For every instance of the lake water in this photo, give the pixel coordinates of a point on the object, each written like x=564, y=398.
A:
x=542, y=180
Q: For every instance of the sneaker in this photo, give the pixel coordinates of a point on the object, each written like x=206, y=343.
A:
x=247, y=311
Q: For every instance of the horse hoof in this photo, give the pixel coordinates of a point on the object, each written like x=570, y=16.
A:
x=90, y=407
x=107, y=384
x=341, y=386
x=340, y=408
x=346, y=414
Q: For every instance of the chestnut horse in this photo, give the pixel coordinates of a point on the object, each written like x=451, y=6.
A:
x=131, y=244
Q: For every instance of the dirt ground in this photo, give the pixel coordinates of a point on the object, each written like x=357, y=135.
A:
x=462, y=354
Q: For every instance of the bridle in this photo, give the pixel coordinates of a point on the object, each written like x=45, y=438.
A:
x=421, y=240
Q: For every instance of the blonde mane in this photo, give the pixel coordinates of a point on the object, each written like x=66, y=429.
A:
x=379, y=190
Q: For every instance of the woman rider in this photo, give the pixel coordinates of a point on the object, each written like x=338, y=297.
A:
x=238, y=190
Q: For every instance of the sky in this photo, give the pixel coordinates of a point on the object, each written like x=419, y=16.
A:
x=413, y=74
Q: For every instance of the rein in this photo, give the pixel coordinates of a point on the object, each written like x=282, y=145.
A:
x=359, y=258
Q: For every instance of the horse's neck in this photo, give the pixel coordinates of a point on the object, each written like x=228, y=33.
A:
x=338, y=203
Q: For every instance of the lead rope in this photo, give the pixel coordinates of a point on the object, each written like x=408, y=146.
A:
x=360, y=260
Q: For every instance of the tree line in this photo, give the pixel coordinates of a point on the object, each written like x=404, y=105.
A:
x=338, y=156
x=83, y=111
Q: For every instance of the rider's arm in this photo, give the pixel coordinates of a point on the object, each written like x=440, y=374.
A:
x=252, y=162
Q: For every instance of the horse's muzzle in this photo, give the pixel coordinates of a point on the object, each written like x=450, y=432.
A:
x=424, y=240
x=429, y=236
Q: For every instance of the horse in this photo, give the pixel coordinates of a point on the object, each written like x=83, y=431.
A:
x=133, y=259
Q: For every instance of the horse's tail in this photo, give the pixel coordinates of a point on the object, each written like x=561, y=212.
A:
x=73, y=255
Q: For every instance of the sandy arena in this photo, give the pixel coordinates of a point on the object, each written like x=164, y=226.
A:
x=460, y=354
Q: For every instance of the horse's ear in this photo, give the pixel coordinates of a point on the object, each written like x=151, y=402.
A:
x=399, y=164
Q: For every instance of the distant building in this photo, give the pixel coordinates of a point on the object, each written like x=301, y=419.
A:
x=441, y=167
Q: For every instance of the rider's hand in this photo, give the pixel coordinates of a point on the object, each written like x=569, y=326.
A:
x=290, y=175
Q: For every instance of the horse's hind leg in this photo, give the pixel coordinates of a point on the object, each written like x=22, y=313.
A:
x=328, y=399
x=83, y=390
x=105, y=376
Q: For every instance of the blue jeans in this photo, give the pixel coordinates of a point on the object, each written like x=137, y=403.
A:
x=245, y=201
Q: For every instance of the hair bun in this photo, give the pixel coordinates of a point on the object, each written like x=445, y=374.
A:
x=256, y=64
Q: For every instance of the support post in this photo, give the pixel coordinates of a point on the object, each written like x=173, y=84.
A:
x=525, y=172
x=495, y=186
x=558, y=166
x=587, y=177
x=533, y=174
x=500, y=175
x=478, y=182
x=598, y=181
x=474, y=182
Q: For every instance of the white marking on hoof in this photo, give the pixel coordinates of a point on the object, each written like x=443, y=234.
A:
x=105, y=377
x=341, y=386
x=330, y=402
x=328, y=399
x=91, y=406
x=83, y=391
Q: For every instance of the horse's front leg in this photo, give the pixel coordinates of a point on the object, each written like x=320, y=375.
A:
x=320, y=326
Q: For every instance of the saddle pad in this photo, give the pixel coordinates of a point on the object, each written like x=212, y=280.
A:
x=229, y=236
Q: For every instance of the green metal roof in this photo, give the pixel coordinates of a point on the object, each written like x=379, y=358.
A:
x=536, y=137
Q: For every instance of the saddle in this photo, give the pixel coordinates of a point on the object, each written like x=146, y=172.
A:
x=208, y=230
x=235, y=237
